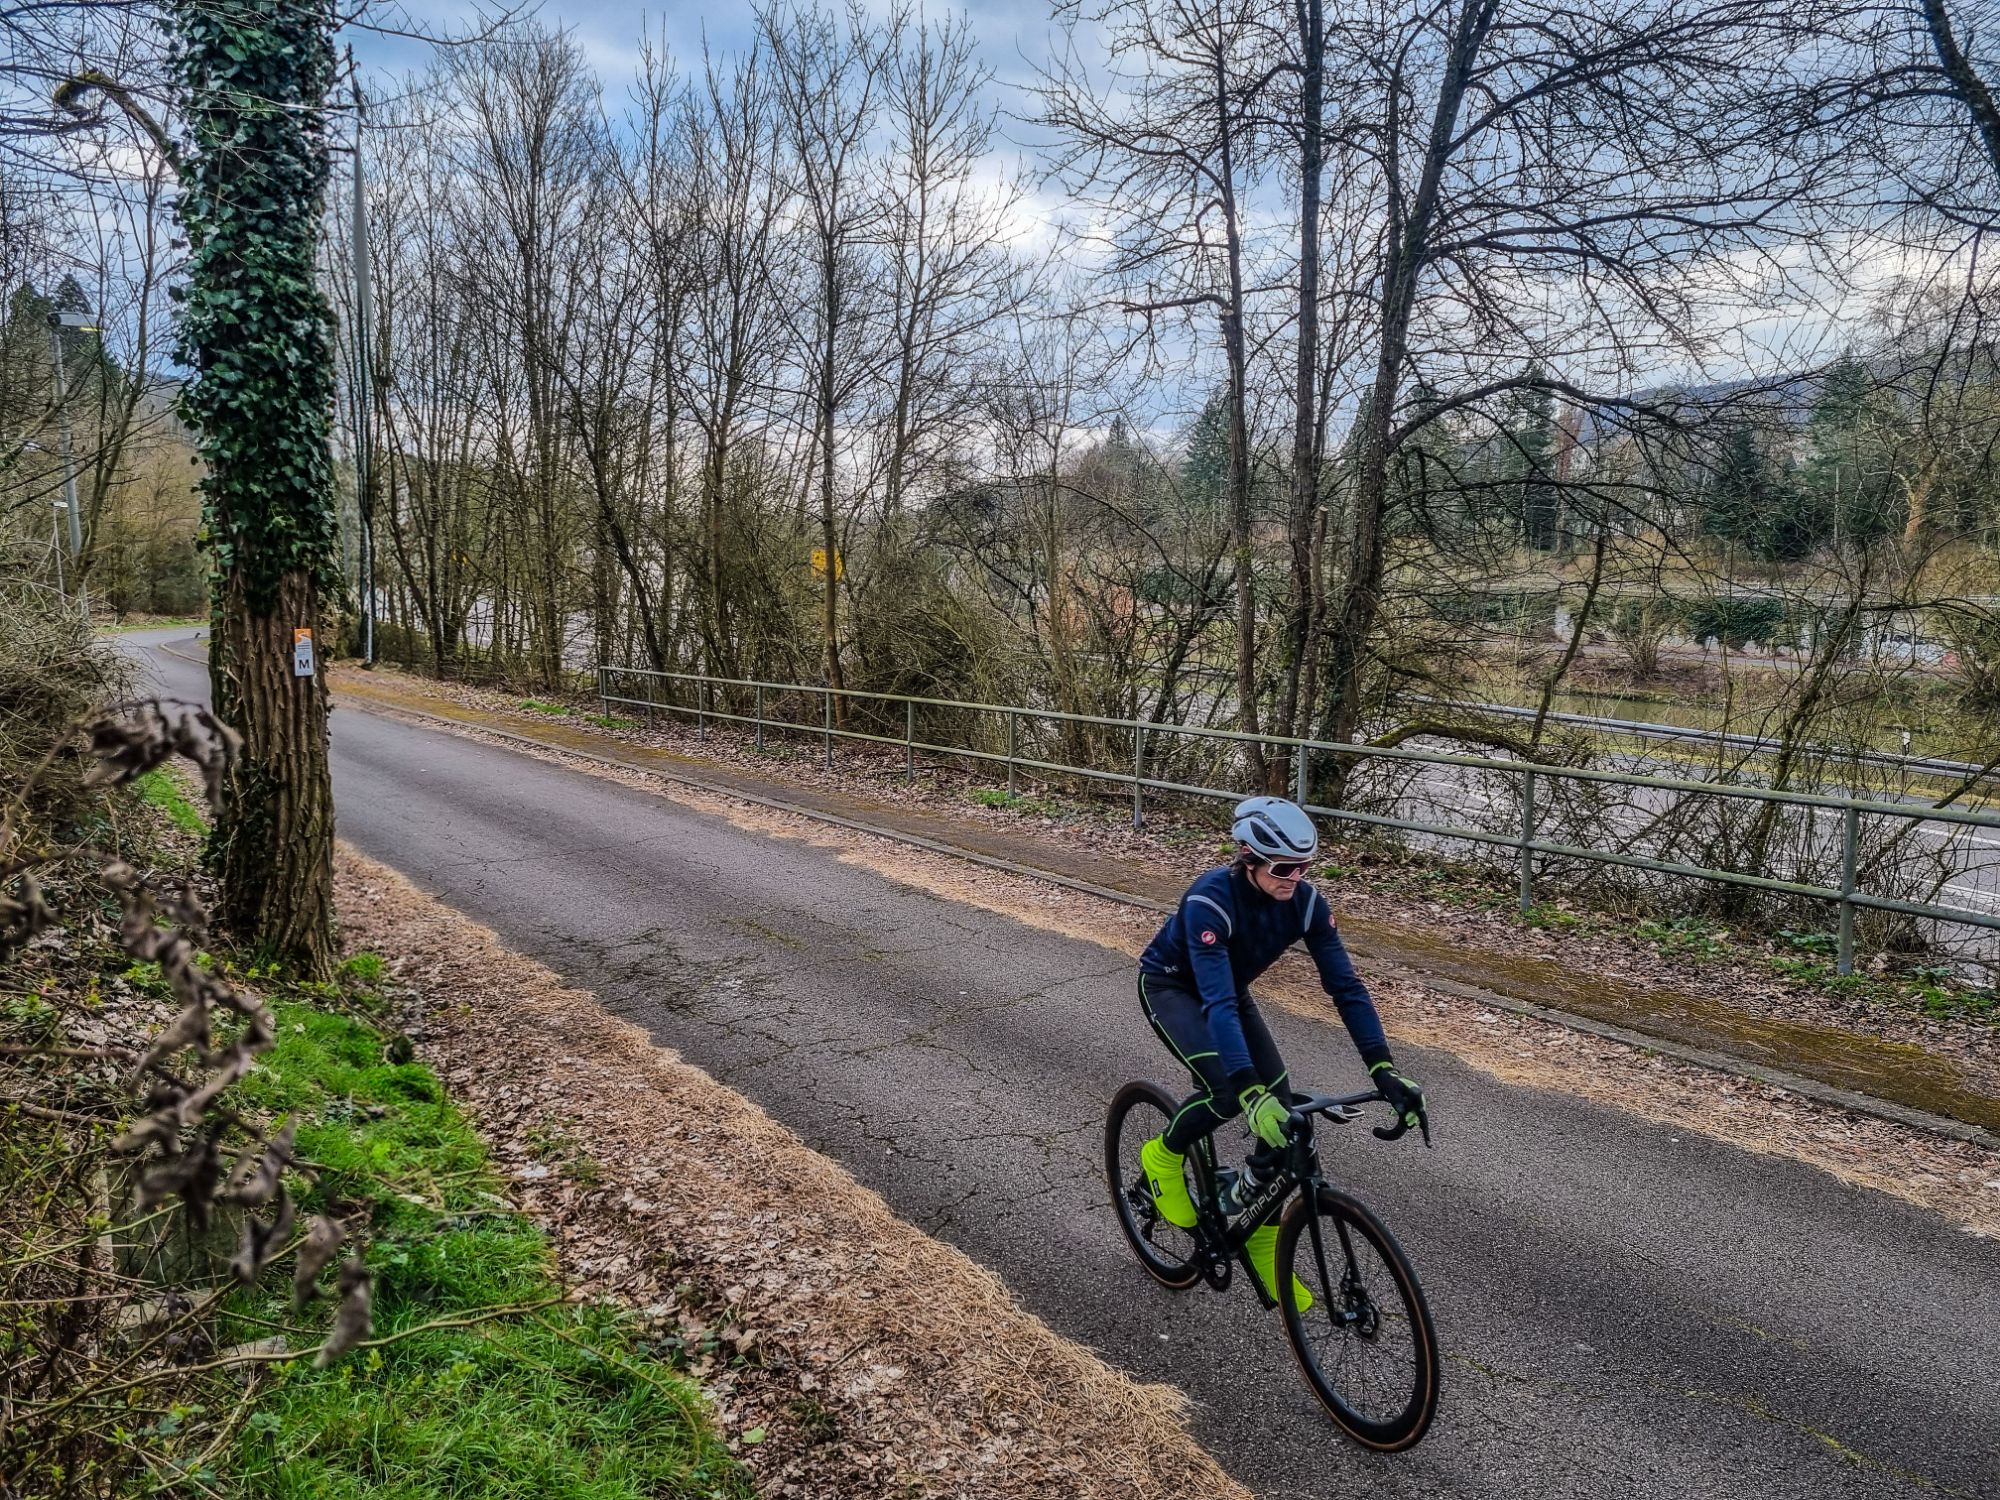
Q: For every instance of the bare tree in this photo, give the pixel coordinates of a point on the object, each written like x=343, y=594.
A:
x=538, y=164
x=1169, y=163
x=1487, y=217
x=829, y=87
x=729, y=368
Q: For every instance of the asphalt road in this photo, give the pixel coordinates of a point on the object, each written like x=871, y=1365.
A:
x=1625, y=1309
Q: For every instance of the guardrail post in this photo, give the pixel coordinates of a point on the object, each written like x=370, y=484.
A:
x=826, y=701
x=1850, y=848
x=1527, y=840
x=909, y=742
x=1299, y=777
x=604, y=692
x=652, y=696
x=1013, y=737
x=1138, y=774
x=760, y=718
x=701, y=711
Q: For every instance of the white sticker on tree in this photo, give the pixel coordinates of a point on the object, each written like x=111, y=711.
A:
x=302, y=653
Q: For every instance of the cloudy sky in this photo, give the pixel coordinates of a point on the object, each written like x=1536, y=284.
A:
x=1016, y=36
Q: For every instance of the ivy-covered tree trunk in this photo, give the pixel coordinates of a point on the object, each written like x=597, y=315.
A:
x=255, y=330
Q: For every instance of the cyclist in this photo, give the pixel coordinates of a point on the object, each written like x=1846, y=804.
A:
x=1194, y=986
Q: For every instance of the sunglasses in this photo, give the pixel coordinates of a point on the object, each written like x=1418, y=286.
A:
x=1288, y=869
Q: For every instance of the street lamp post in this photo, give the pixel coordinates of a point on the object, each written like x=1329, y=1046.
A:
x=58, y=321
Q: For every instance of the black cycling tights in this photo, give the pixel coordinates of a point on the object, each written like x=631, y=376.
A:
x=1175, y=1012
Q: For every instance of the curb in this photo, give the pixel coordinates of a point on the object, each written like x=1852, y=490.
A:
x=1823, y=1093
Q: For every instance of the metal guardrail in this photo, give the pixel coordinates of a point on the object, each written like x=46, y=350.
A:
x=1642, y=729
x=1847, y=896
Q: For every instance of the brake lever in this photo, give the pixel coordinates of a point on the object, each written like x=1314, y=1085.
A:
x=1401, y=1128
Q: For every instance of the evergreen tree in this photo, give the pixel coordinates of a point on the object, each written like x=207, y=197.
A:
x=1757, y=504
x=1738, y=498
x=1528, y=462
x=1205, y=466
x=1425, y=497
x=1850, y=471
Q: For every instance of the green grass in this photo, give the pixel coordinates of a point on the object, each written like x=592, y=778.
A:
x=610, y=721
x=162, y=622
x=993, y=796
x=1687, y=937
x=553, y=710
x=565, y=1402
x=1551, y=918
x=157, y=789
x=364, y=968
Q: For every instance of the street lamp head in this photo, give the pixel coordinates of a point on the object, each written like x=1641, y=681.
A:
x=78, y=320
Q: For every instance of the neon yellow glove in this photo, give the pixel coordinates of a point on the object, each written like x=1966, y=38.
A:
x=1266, y=1116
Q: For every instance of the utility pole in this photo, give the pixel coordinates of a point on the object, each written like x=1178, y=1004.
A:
x=57, y=323
x=364, y=325
x=56, y=547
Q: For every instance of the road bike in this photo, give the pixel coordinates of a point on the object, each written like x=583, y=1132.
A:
x=1365, y=1343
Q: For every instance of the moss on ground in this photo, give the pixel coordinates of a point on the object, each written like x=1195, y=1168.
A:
x=559, y=1402
x=158, y=789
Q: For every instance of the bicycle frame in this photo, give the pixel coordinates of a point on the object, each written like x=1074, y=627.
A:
x=1222, y=1243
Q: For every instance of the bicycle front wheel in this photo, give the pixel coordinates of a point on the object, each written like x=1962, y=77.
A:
x=1138, y=1113
x=1365, y=1342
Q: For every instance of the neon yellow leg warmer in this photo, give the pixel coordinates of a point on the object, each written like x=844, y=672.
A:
x=1263, y=1250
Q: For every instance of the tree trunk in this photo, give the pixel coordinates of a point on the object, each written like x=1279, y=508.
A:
x=1239, y=439
x=255, y=331
x=1305, y=397
x=1404, y=260
x=1966, y=84
x=829, y=532
x=273, y=846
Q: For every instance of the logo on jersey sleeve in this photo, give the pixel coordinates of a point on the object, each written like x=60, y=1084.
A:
x=1208, y=936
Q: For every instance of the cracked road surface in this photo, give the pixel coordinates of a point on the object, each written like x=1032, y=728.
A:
x=1625, y=1309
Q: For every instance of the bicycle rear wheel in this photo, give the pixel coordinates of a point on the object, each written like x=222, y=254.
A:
x=1366, y=1344
x=1139, y=1112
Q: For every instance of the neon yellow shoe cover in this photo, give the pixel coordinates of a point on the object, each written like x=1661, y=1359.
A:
x=1168, y=1182
x=1263, y=1251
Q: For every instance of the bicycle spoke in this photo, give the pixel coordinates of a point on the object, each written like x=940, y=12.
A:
x=1166, y=1250
x=1358, y=1340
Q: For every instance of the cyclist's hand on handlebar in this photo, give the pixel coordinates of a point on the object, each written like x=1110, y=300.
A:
x=1405, y=1098
x=1265, y=1114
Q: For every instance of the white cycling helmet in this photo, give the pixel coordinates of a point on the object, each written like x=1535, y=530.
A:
x=1272, y=828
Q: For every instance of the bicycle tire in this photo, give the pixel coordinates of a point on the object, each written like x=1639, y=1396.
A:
x=1125, y=1178
x=1400, y=1426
